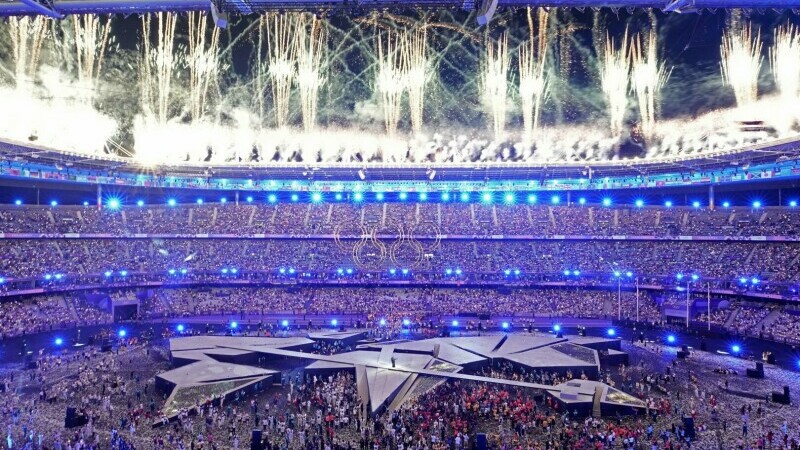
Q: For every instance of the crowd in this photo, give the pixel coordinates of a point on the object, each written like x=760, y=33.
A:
x=308, y=218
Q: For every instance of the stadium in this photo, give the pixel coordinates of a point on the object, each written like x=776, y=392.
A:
x=399, y=225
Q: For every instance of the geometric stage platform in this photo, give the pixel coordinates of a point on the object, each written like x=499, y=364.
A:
x=388, y=374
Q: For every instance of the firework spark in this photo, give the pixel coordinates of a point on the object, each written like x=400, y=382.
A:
x=741, y=64
x=311, y=48
x=27, y=36
x=494, y=81
x=158, y=65
x=648, y=77
x=391, y=78
x=202, y=59
x=281, y=49
x=532, y=79
x=418, y=73
x=91, y=42
x=614, y=78
x=785, y=61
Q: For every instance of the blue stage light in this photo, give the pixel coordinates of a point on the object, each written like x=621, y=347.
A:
x=295, y=197
x=402, y=195
x=668, y=204
x=171, y=202
x=509, y=198
x=48, y=277
x=171, y=271
x=517, y=271
x=576, y=272
x=249, y=199
x=18, y=202
x=85, y=203
x=53, y=203
x=464, y=196
x=285, y=323
x=455, y=323
x=629, y=274
x=582, y=201
x=122, y=333
x=358, y=196
x=679, y=276
x=448, y=271
x=755, y=280
x=392, y=271
x=234, y=325
x=272, y=198
x=606, y=201
x=695, y=277
x=486, y=197
x=338, y=196
x=567, y=272
x=124, y=273
x=223, y=200
x=382, y=322
x=199, y=201
x=180, y=328
x=423, y=196
x=349, y=271
x=59, y=276
x=611, y=332
x=793, y=203
x=736, y=348
x=555, y=199
x=340, y=271
x=140, y=203
x=113, y=203
x=639, y=203
x=184, y=271
x=405, y=271
x=556, y=328
x=671, y=338
x=107, y=273
x=224, y=270
x=2, y=280
x=234, y=270
x=617, y=273
x=334, y=322
x=59, y=342
x=292, y=270
x=406, y=322
x=445, y=196
x=696, y=204
x=743, y=280
x=505, y=325
x=756, y=204
x=726, y=204
x=458, y=271
x=379, y=196
x=507, y=272
x=532, y=198
x=316, y=197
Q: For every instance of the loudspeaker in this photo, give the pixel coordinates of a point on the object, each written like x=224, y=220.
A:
x=758, y=372
x=784, y=398
x=703, y=346
x=255, y=441
x=770, y=358
x=480, y=441
x=682, y=354
x=105, y=346
x=342, y=328
x=685, y=348
x=30, y=363
x=688, y=425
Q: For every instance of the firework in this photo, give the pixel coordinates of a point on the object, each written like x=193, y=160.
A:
x=494, y=81
x=785, y=61
x=202, y=59
x=532, y=79
x=27, y=36
x=310, y=78
x=648, y=77
x=281, y=50
x=614, y=77
x=391, y=78
x=158, y=65
x=418, y=72
x=91, y=42
x=741, y=64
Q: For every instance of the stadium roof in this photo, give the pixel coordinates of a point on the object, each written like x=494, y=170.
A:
x=767, y=153
x=60, y=8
